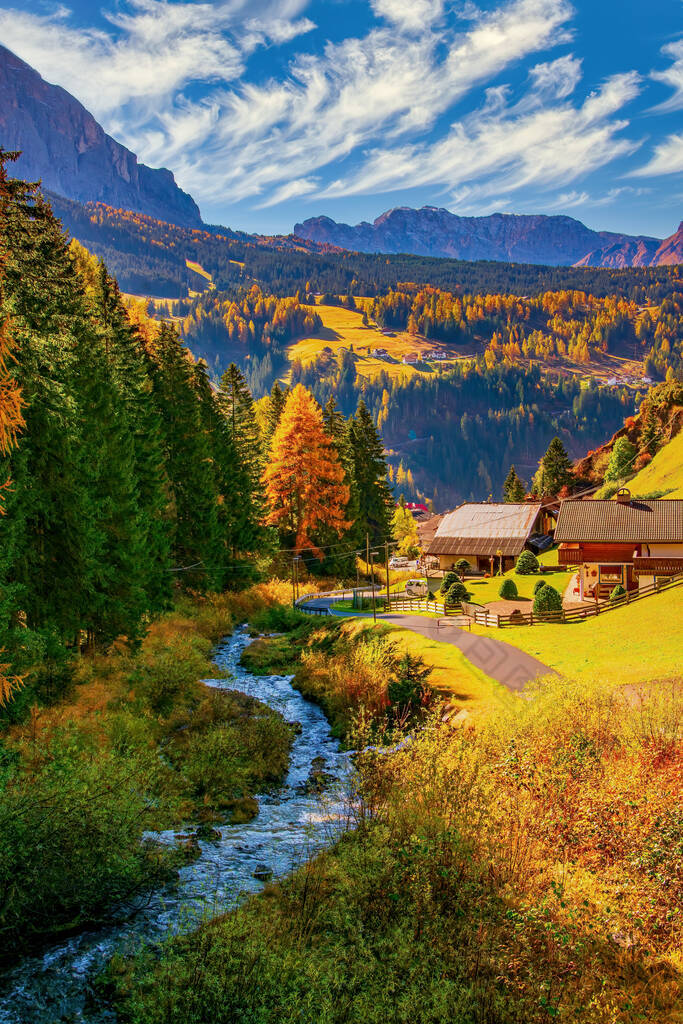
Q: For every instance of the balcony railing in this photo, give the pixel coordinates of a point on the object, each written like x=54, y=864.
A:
x=569, y=556
x=661, y=566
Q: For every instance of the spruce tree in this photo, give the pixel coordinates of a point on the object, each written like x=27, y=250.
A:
x=194, y=527
x=131, y=366
x=371, y=497
x=650, y=437
x=50, y=513
x=513, y=488
x=554, y=471
x=276, y=403
x=237, y=406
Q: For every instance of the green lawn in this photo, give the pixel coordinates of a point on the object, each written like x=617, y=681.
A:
x=485, y=591
x=636, y=643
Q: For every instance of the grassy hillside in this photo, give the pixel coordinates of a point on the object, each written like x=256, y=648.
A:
x=637, y=643
x=343, y=328
x=664, y=473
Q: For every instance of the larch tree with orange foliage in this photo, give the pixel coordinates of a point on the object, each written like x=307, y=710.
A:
x=304, y=478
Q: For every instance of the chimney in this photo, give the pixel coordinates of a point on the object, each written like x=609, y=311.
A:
x=624, y=496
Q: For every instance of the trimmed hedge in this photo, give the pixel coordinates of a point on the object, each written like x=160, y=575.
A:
x=617, y=593
x=457, y=594
x=538, y=584
x=508, y=590
x=547, y=600
x=527, y=563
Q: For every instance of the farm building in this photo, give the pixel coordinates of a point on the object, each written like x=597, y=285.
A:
x=630, y=542
x=487, y=534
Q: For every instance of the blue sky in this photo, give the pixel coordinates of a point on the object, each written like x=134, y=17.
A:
x=271, y=111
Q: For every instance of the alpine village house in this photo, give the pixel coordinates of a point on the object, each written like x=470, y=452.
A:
x=490, y=535
x=630, y=542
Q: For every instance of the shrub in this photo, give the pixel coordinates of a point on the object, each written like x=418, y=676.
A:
x=547, y=600
x=617, y=593
x=538, y=584
x=410, y=691
x=70, y=839
x=462, y=567
x=449, y=579
x=527, y=563
x=457, y=594
x=508, y=590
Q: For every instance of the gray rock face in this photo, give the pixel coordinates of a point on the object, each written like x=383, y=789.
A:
x=554, y=241
x=64, y=146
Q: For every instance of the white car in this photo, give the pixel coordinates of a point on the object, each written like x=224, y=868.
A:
x=417, y=588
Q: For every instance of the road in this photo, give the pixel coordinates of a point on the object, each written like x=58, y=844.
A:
x=502, y=662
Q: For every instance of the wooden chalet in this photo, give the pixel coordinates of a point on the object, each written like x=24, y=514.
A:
x=488, y=534
x=632, y=542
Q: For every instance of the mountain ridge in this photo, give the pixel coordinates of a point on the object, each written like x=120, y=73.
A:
x=63, y=145
x=551, y=240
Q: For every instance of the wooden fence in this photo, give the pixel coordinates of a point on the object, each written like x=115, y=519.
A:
x=483, y=617
x=417, y=604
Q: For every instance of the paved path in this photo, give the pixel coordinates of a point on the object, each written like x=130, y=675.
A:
x=502, y=662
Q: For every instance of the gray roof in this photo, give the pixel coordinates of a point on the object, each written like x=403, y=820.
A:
x=652, y=520
x=485, y=529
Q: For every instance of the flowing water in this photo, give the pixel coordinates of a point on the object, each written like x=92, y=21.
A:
x=292, y=823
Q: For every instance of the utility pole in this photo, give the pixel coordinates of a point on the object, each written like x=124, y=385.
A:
x=293, y=583
x=386, y=556
x=372, y=556
x=367, y=550
x=297, y=559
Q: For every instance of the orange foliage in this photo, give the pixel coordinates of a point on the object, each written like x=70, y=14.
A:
x=304, y=479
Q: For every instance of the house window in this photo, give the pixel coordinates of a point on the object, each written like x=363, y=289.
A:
x=611, y=573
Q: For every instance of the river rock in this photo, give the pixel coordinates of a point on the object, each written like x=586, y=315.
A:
x=209, y=834
x=262, y=872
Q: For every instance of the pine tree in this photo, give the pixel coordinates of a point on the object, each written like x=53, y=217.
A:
x=371, y=492
x=50, y=514
x=229, y=477
x=237, y=406
x=513, y=488
x=276, y=403
x=651, y=435
x=131, y=367
x=554, y=471
x=194, y=527
x=304, y=478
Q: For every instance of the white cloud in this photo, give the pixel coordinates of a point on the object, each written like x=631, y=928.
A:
x=507, y=148
x=666, y=159
x=672, y=77
x=381, y=86
x=409, y=15
x=364, y=106
x=155, y=48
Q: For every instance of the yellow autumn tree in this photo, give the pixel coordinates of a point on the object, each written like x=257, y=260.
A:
x=304, y=479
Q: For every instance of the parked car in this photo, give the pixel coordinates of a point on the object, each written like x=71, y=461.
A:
x=416, y=588
x=398, y=562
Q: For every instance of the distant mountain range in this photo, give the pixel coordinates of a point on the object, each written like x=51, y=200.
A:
x=64, y=146
x=514, y=238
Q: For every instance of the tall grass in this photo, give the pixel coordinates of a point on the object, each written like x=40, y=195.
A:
x=526, y=871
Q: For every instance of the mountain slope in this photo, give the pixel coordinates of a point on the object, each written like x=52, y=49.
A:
x=554, y=241
x=62, y=144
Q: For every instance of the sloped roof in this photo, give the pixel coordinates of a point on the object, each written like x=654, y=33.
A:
x=485, y=529
x=655, y=520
